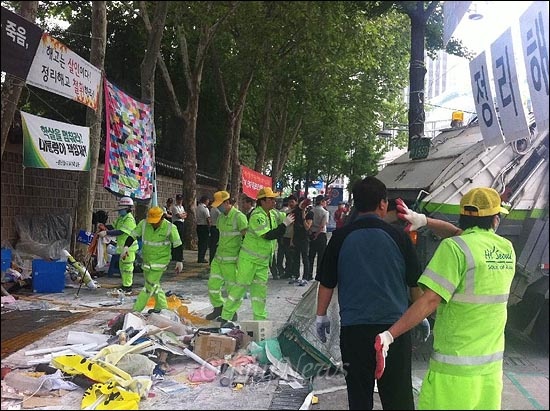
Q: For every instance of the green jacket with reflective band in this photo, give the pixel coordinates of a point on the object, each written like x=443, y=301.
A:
x=157, y=243
x=231, y=238
x=472, y=273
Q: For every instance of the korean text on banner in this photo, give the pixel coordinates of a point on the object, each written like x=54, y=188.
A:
x=510, y=104
x=61, y=71
x=483, y=99
x=535, y=43
x=252, y=181
x=20, y=39
x=130, y=145
x=52, y=144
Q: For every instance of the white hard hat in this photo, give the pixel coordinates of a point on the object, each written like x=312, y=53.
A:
x=125, y=202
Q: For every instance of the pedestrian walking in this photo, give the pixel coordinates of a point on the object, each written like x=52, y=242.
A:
x=158, y=237
x=122, y=228
x=231, y=225
x=375, y=267
x=318, y=234
x=255, y=256
x=468, y=282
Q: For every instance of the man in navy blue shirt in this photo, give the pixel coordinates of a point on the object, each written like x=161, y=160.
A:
x=376, y=269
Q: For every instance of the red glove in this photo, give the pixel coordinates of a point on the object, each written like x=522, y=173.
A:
x=415, y=220
x=381, y=345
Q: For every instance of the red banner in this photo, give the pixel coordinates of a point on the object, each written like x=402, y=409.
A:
x=252, y=181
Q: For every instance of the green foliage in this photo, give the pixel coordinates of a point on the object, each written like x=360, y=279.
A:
x=340, y=67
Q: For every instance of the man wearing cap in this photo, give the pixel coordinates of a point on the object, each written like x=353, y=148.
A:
x=255, y=255
x=122, y=228
x=318, y=237
x=468, y=281
x=159, y=237
x=231, y=225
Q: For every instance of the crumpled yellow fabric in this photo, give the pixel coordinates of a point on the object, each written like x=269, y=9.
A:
x=102, y=372
x=113, y=353
x=109, y=397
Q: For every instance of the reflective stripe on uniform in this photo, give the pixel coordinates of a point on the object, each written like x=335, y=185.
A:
x=255, y=254
x=468, y=360
x=156, y=243
x=469, y=296
x=229, y=233
x=223, y=259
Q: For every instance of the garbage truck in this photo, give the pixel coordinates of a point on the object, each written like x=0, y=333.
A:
x=433, y=176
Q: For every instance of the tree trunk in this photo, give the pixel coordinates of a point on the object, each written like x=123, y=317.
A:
x=148, y=68
x=11, y=89
x=417, y=70
x=264, y=134
x=236, y=163
x=190, y=168
x=87, y=180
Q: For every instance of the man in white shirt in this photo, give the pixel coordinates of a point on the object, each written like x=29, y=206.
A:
x=179, y=215
x=203, y=228
x=318, y=233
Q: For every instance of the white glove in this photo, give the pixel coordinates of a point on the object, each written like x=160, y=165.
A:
x=415, y=220
x=322, y=326
x=124, y=253
x=179, y=267
x=289, y=219
x=102, y=234
x=382, y=345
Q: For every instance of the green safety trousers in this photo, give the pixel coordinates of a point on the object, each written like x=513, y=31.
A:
x=253, y=275
x=460, y=392
x=126, y=268
x=151, y=288
x=221, y=273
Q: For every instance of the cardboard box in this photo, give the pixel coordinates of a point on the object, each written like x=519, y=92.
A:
x=209, y=346
x=257, y=330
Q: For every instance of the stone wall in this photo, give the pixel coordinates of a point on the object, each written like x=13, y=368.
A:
x=27, y=191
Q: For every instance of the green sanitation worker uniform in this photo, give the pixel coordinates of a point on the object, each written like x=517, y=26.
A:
x=158, y=237
x=469, y=330
x=467, y=282
x=231, y=225
x=122, y=228
x=255, y=255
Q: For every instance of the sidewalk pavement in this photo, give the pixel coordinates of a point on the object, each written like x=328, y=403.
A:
x=525, y=375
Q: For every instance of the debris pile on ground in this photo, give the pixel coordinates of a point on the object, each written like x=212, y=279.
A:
x=140, y=355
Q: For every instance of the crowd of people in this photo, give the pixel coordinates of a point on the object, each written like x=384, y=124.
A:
x=383, y=291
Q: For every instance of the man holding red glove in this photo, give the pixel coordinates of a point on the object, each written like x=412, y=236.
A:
x=376, y=269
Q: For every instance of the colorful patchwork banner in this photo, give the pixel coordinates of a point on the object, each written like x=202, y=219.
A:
x=52, y=144
x=130, y=145
x=252, y=181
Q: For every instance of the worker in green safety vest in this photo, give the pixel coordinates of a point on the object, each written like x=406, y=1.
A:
x=255, y=255
x=158, y=237
x=122, y=228
x=468, y=281
x=232, y=225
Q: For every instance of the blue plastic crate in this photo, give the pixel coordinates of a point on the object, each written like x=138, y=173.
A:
x=48, y=276
x=6, y=259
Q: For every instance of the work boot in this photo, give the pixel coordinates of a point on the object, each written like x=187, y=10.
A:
x=215, y=313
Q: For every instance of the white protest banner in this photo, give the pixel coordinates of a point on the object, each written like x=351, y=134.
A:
x=52, y=144
x=510, y=104
x=534, y=38
x=59, y=70
x=483, y=99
